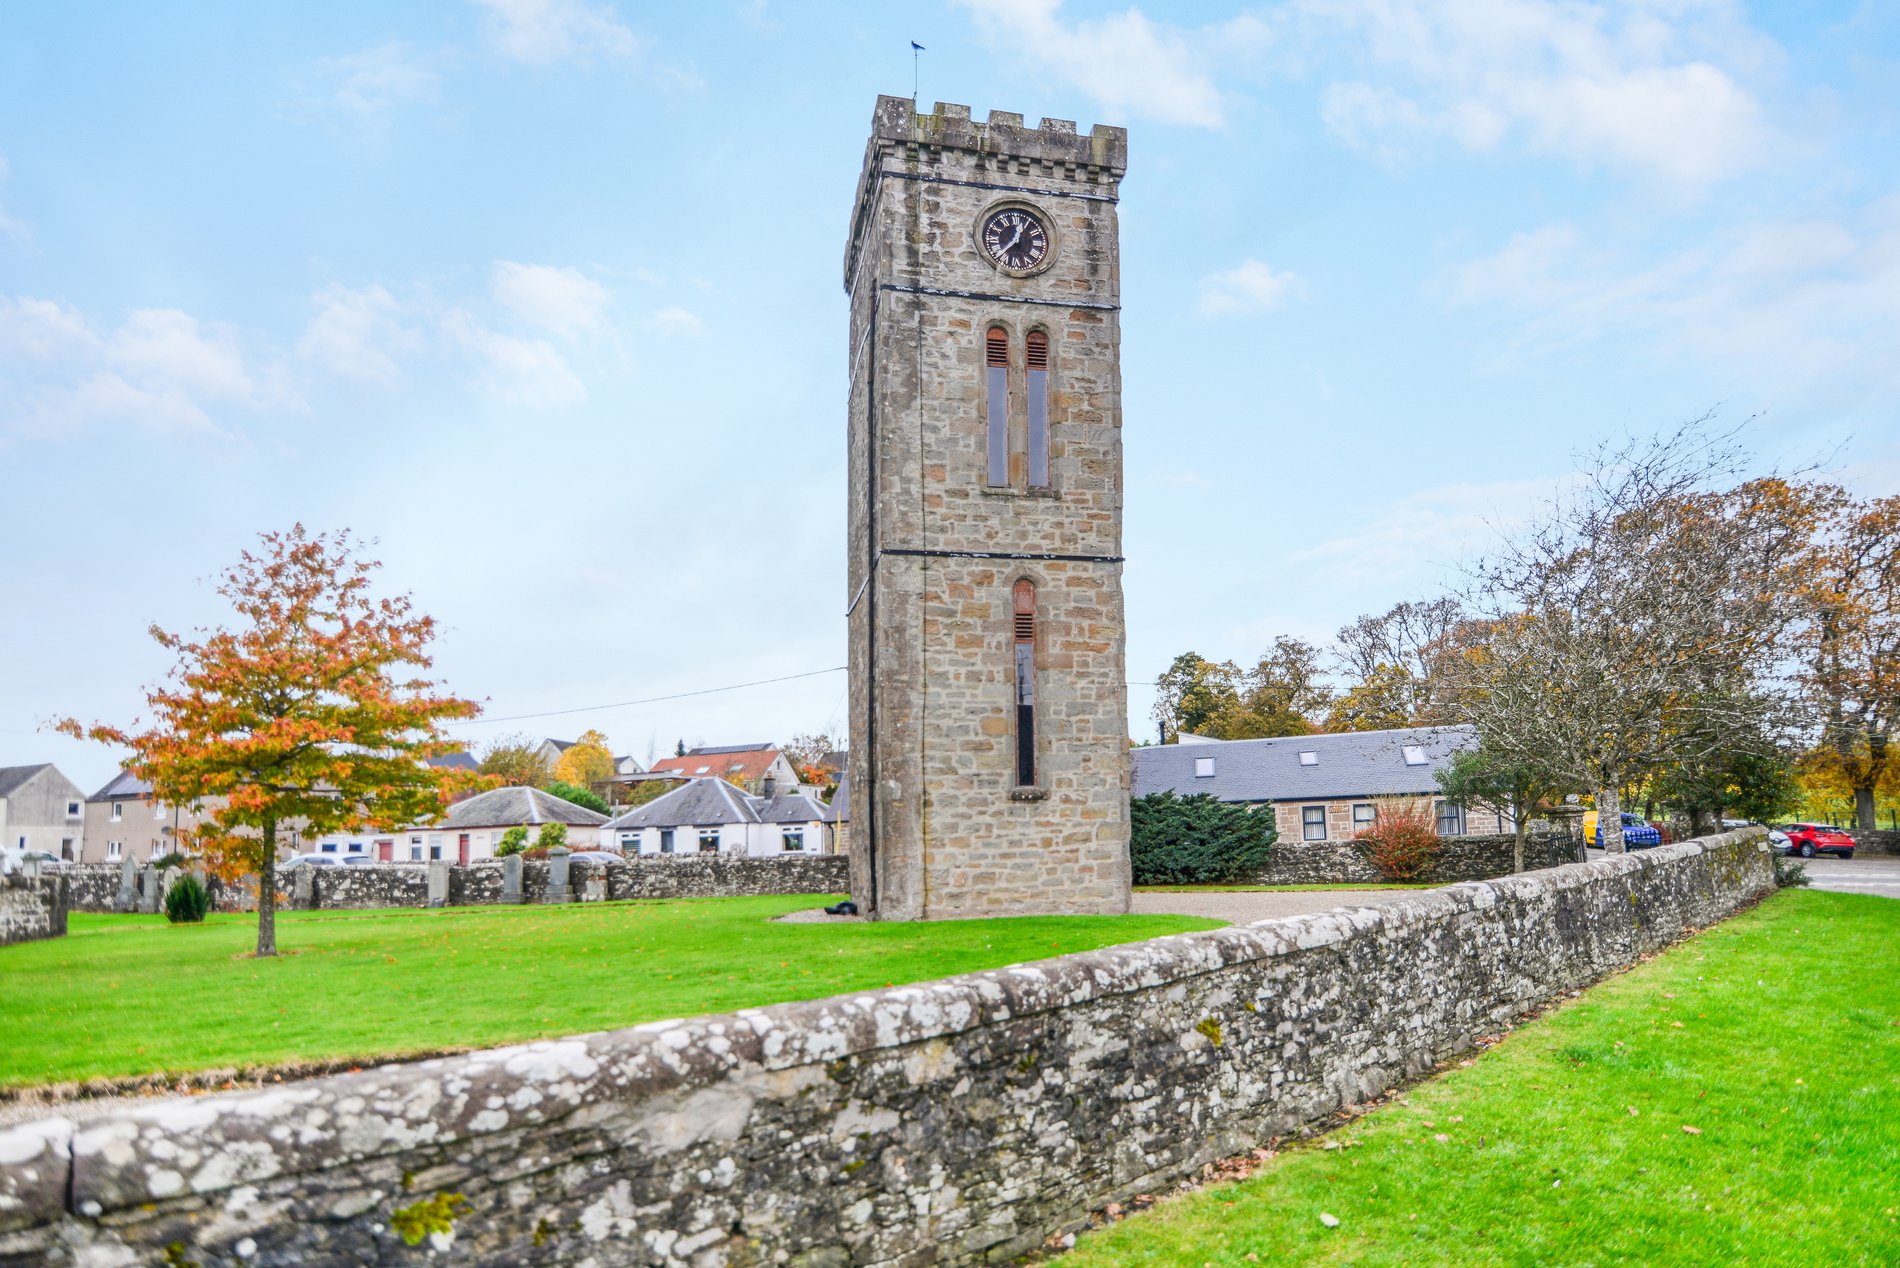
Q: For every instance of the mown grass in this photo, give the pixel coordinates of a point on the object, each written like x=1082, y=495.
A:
x=132, y=995
x=1271, y=889
x=1776, y=1036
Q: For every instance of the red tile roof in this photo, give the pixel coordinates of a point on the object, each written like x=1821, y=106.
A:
x=739, y=766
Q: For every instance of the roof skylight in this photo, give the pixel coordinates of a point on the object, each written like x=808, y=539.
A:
x=1309, y=758
x=1414, y=755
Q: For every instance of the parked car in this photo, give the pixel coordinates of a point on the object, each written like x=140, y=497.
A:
x=313, y=860
x=1810, y=839
x=595, y=856
x=13, y=860
x=1637, y=835
x=1778, y=841
x=359, y=858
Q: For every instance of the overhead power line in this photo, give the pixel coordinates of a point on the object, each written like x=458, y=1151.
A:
x=678, y=695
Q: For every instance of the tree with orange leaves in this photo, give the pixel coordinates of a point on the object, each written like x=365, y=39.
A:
x=307, y=714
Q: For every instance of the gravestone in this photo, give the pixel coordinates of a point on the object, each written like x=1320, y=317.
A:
x=303, y=886
x=438, y=883
x=128, y=896
x=148, y=890
x=594, y=885
x=511, y=879
x=557, y=876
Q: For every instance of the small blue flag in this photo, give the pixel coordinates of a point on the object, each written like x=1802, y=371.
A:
x=914, y=44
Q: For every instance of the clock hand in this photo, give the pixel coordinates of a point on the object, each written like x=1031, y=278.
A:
x=1011, y=244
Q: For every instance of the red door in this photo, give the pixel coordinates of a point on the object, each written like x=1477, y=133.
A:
x=386, y=851
x=461, y=848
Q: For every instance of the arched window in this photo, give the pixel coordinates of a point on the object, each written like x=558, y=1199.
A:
x=996, y=372
x=1036, y=362
x=1024, y=630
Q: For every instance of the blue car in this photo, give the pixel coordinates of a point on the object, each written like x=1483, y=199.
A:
x=1637, y=835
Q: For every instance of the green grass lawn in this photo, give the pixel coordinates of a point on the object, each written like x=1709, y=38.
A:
x=1263, y=889
x=132, y=995
x=1775, y=1035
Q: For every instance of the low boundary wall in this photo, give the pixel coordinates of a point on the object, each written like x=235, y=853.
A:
x=96, y=886
x=1469, y=858
x=952, y=1122
x=31, y=908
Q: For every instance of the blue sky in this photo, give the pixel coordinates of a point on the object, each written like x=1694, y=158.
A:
x=544, y=295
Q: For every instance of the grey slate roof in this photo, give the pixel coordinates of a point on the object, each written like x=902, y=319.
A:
x=12, y=777
x=509, y=807
x=1352, y=764
x=708, y=800
x=122, y=785
x=462, y=759
x=713, y=750
x=839, y=811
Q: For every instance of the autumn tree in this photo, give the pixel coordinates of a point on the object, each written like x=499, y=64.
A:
x=810, y=755
x=1283, y=694
x=1851, y=644
x=517, y=761
x=586, y=762
x=1516, y=785
x=307, y=714
x=1194, y=695
x=1398, y=664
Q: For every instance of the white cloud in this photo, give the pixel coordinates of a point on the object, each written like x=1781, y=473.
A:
x=1429, y=531
x=543, y=32
x=160, y=369
x=376, y=80
x=525, y=371
x=1650, y=88
x=1809, y=303
x=11, y=226
x=564, y=301
x=1134, y=68
x=354, y=333
x=1250, y=287
x=674, y=320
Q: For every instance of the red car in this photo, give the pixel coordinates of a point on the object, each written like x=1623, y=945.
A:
x=1810, y=839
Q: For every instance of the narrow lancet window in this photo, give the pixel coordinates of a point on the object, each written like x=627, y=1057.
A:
x=996, y=360
x=1036, y=362
x=1025, y=649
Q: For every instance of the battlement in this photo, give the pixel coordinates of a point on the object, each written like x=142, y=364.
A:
x=949, y=126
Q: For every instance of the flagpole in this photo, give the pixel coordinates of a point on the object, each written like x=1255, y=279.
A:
x=916, y=54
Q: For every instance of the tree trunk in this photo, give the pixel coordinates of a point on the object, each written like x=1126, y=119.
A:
x=1864, y=816
x=1610, y=818
x=1864, y=808
x=267, y=893
x=1520, y=828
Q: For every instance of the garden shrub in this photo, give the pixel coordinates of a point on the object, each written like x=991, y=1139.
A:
x=513, y=841
x=187, y=901
x=578, y=795
x=552, y=834
x=1791, y=875
x=1196, y=840
x=1403, y=841
x=174, y=859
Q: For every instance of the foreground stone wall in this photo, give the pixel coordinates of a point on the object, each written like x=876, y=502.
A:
x=31, y=908
x=1874, y=841
x=95, y=886
x=951, y=1122
x=1473, y=858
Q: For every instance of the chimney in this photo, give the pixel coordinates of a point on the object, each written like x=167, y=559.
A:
x=768, y=787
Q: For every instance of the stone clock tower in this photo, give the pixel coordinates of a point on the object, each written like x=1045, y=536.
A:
x=989, y=758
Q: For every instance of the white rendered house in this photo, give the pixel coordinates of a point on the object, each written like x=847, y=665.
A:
x=710, y=816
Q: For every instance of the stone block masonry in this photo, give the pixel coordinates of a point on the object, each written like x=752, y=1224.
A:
x=366, y=887
x=953, y=1122
x=1474, y=858
x=31, y=908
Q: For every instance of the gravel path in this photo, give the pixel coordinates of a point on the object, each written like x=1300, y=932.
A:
x=1241, y=907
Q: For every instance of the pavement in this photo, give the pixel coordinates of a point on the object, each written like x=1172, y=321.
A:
x=1244, y=906
x=1862, y=874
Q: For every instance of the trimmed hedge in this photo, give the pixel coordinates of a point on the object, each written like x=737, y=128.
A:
x=1196, y=840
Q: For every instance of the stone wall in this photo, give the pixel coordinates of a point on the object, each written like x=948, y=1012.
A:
x=96, y=886
x=1876, y=841
x=1473, y=858
x=31, y=908
x=950, y=1122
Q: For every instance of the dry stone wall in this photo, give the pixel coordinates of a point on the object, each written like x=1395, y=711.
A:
x=1473, y=858
x=32, y=908
x=952, y=1122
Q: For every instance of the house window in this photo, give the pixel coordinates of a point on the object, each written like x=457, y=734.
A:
x=72, y=810
x=328, y=847
x=1203, y=768
x=1414, y=755
x=1036, y=361
x=158, y=810
x=996, y=404
x=66, y=850
x=709, y=840
x=792, y=838
x=435, y=847
x=1025, y=632
x=629, y=842
x=115, y=849
x=1364, y=815
x=356, y=847
x=118, y=811
x=666, y=840
x=1312, y=823
x=1451, y=819
x=415, y=852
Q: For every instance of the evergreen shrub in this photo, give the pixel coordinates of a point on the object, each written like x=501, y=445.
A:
x=187, y=901
x=1196, y=840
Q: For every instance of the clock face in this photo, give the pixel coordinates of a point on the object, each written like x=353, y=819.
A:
x=1016, y=239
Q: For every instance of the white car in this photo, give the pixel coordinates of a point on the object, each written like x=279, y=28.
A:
x=12, y=861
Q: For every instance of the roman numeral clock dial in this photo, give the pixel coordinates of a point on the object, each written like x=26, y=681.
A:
x=1015, y=239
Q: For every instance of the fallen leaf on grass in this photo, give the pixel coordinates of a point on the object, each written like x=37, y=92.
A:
x=1328, y=1219
x=1441, y=1138
x=1693, y=1131
x=1633, y=1111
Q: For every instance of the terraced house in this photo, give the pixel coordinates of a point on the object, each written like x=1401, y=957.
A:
x=125, y=819
x=1321, y=787
x=41, y=809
